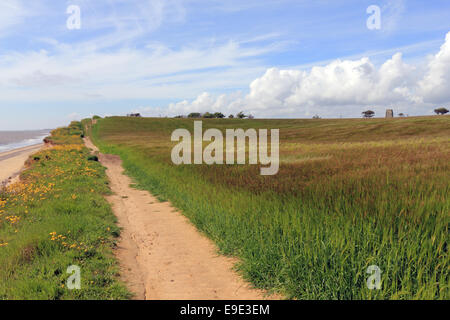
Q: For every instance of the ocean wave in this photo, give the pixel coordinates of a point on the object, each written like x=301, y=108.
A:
x=22, y=143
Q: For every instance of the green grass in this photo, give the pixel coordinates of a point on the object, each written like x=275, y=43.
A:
x=349, y=194
x=57, y=217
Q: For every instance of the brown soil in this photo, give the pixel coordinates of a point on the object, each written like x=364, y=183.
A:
x=161, y=254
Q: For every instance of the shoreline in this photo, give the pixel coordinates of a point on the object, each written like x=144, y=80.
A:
x=37, y=212
x=22, y=141
x=12, y=162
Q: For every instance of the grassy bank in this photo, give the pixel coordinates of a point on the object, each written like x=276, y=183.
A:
x=349, y=194
x=54, y=218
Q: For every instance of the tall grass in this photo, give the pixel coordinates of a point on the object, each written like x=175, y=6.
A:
x=56, y=217
x=349, y=194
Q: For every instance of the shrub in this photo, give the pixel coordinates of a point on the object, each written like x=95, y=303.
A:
x=208, y=115
x=241, y=115
x=93, y=158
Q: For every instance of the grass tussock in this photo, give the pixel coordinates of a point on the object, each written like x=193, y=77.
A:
x=56, y=217
x=349, y=194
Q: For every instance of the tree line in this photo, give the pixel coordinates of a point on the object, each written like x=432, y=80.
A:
x=215, y=115
x=371, y=114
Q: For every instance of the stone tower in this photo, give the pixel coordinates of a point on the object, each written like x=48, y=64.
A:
x=389, y=113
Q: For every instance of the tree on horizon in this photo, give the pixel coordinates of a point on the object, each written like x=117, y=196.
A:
x=208, y=115
x=194, y=115
x=219, y=115
x=241, y=115
x=368, y=114
x=441, y=111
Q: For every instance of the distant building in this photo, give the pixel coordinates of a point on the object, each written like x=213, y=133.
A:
x=138, y=115
x=389, y=113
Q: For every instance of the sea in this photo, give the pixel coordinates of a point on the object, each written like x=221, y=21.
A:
x=10, y=140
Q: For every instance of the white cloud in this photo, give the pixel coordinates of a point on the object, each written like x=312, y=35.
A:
x=73, y=116
x=123, y=15
x=435, y=87
x=130, y=73
x=12, y=12
x=391, y=14
x=340, y=87
x=96, y=68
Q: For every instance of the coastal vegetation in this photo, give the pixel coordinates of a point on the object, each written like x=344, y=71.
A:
x=349, y=194
x=57, y=217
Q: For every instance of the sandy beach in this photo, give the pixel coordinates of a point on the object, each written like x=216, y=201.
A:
x=12, y=162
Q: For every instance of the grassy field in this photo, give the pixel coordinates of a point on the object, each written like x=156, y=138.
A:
x=349, y=194
x=57, y=217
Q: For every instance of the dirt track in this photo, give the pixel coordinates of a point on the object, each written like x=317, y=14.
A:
x=161, y=254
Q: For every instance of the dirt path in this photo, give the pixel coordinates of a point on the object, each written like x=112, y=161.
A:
x=162, y=255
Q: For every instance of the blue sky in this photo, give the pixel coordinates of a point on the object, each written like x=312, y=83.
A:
x=264, y=57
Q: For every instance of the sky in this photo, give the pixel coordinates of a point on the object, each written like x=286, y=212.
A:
x=269, y=58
